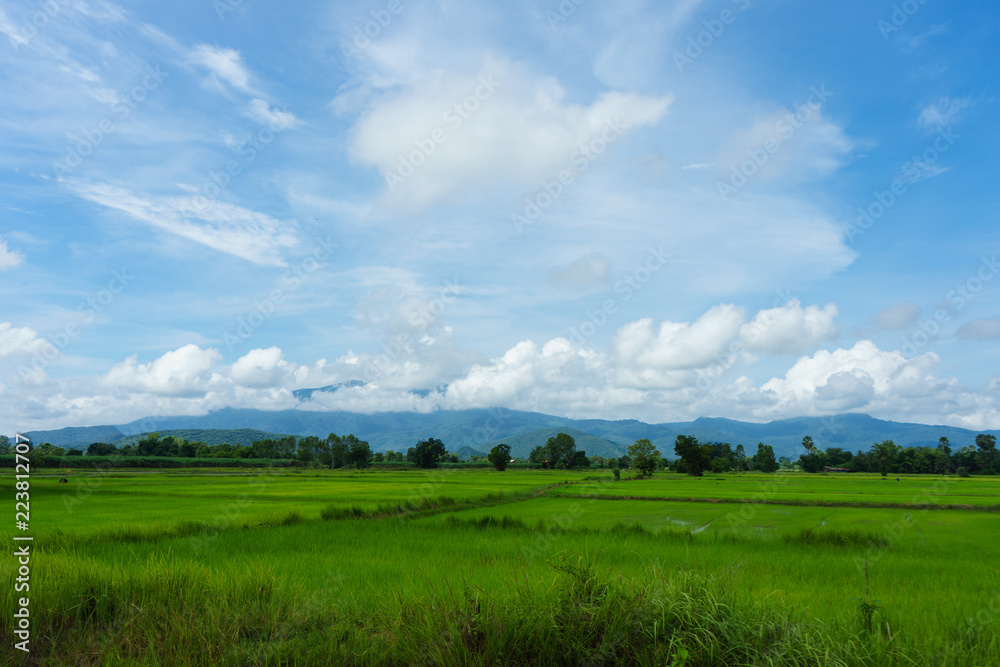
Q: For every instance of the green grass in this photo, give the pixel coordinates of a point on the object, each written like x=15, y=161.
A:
x=504, y=568
x=832, y=489
x=91, y=502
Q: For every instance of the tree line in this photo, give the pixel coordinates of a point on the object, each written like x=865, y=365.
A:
x=559, y=452
x=887, y=457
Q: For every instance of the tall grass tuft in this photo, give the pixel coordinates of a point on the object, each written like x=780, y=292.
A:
x=839, y=538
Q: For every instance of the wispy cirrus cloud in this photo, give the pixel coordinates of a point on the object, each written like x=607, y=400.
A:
x=250, y=235
x=224, y=66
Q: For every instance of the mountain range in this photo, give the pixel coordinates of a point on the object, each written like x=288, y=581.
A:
x=480, y=429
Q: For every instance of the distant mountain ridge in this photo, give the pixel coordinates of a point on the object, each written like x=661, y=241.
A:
x=210, y=436
x=477, y=428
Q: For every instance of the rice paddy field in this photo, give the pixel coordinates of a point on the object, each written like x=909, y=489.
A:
x=519, y=567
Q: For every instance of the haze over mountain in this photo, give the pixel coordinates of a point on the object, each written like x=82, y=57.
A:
x=480, y=429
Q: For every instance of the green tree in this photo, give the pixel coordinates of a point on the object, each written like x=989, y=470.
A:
x=5, y=447
x=837, y=457
x=48, y=449
x=987, y=448
x=307, y=447
x=538, y=455
x=814, y=460
x=147, y=444
x=807, y=442
x=359, y=453
x=740, y=459
x=764, y=460
x=694, y=456
x=884, y=455
x=644, y=456
x=427, y=452
x=263, y=449
x=338, y=451
x=499, y=456
x=100, y=449
x=561, y=450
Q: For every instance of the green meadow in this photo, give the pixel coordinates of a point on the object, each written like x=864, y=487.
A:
x=520, y=567
x=821, y=489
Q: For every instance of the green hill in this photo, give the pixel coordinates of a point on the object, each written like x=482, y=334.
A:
x=210, y=436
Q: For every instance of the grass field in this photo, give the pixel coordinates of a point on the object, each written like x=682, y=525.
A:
x=520, y=567
x=832, y=489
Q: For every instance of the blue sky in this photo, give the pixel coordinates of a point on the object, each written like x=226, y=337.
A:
x=749, y=209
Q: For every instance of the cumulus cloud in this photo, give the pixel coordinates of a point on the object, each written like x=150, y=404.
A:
x=9, y=259
x=845, y=390
x=790, y=328
x=898, y=316
x=450, y=132
x=651, y=372
x=20, y=341
x=640, y=349
x=181, y=372
x=529, y=377
x=261, y=368
x=831, y=381
x=981, y=329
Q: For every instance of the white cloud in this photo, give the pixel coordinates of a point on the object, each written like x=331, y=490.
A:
x=182, y=372
x=263, y=113
x=791, y=144
x=9, y=259
x=898, y=316
x=20, y=341
x=261, y=368
x=790, y=328
x=12, y=31
x=640, y=350
x=557, y=377
x=845, y=390
x=981, y=329
x=255, y=237
x=223, y=64
x=830, y=381
x=495, y=127
x=942, y=113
